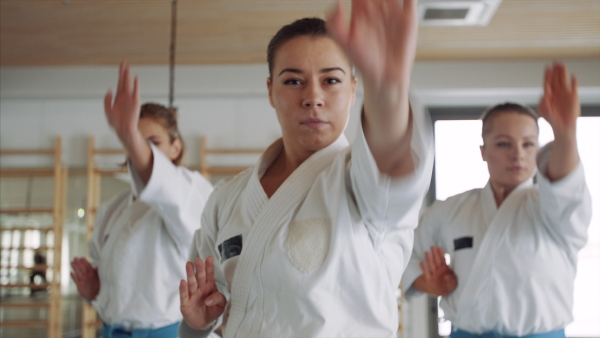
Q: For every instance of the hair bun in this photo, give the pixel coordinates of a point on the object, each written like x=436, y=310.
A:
x=173, y=111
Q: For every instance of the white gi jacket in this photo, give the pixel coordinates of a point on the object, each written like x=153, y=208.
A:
x=515, y=264
x=324, y=255
x=140, y=246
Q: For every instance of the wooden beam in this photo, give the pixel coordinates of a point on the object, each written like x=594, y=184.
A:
x=25, y=323
x=26, y=229
x=226, y=170
x=23, y=267
x=109, y=151
x=26, y=172
x=26, y=285
x=13, y=152
x=107, y=172
x=26, y=211
x=21, y=248
x=24, y=305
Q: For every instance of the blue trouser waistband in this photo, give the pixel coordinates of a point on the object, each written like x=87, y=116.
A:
x=465, y=334
x=116, y=331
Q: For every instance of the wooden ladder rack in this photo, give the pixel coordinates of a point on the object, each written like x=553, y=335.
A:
x=52, y=304
x=208, y=171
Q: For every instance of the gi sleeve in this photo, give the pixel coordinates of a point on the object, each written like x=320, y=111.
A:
x=177, y=194
x=385, y=203
x=427, y=235
x=565, y=205
x=185, y=331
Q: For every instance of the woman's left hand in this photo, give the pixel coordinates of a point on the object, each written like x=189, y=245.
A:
x=560, y=104
x=381, y=41
x=123, y=112
x=560, y=107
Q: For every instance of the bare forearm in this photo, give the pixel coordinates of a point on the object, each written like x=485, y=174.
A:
x=564, y=156
x=140, y=154
x=560, y=106
x=387, y=124
x=381, y=42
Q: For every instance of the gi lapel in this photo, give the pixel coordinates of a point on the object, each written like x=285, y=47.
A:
x=274, y=214
x=494, y=237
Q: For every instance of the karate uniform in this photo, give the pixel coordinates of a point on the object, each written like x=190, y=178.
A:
x=140, y=245
x=515, y=264
x=324, y=255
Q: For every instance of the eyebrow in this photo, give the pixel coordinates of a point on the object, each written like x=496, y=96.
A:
x=324, y=70
x=510, y=137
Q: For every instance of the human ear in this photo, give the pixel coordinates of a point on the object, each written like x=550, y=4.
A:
x=175, y=149
x=354, y=84
x=270, y=89
x=482, y=150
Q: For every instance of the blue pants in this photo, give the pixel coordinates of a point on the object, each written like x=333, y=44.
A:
x=116, y=331
x=465, y=334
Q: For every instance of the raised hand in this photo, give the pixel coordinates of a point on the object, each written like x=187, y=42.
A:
x=381, y=39
x=560, y=104
x=201, y=301
x=560, y=107
x=86, y=278
x=437, y=278
x=123, y=113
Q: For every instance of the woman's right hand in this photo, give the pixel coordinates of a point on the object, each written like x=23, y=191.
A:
x=201, y=301
x=437, y=278
x=86, y=278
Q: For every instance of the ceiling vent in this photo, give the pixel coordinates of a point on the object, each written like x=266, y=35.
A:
x=457, y=13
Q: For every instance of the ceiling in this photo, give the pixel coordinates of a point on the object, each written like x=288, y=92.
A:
x=104, y=32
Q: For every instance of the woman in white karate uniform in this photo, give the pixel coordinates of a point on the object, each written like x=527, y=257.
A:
x=513, y=244
x=305, y=243
x=142, y=237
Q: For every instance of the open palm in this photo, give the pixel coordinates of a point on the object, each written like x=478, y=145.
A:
x=438, y=276
x=381, y=38
x=560, y=103
x=201, y=301
x=123, y=113
x=86, y=278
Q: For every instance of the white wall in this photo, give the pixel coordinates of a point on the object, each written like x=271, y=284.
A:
x=229, y=105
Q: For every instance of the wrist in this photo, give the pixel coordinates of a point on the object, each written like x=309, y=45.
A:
x=129, y=137
x=569, y=135
x=390, y=95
